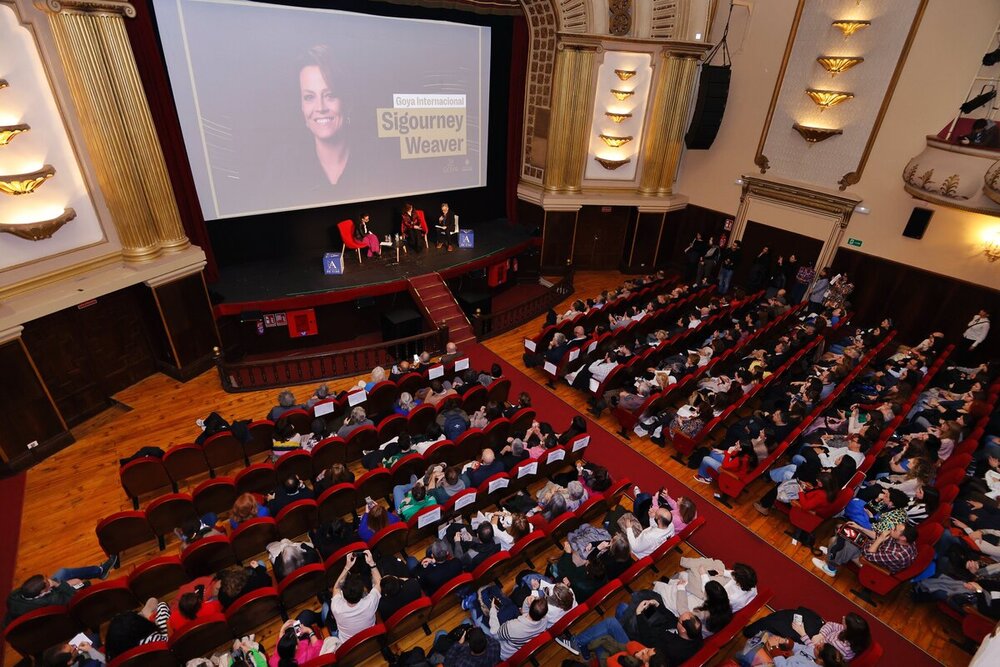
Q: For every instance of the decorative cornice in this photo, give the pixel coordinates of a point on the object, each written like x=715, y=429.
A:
x=10, y=334
x=105, y=7
x=800, y=196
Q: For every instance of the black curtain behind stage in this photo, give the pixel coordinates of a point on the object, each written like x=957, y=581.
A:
x=309, y=232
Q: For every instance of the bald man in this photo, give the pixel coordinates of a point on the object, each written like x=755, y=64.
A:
x=450, y=353
x=661, y=528
x=484, y=468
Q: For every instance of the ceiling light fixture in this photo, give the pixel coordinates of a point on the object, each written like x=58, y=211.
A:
x=825, y=99
x=838, y=64
x=850, y=27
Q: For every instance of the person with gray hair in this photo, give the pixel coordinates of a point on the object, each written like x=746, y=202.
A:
x=451, y=353
x=405, y=403
x=437, y=568
x=553, y=354
x=321, y=394
x=513, y=453
x=357, y=419
x=286, y=403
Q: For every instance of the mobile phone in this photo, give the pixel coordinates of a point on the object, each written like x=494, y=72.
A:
x=797, y=619
x=369, y=501
x=416, y=358
x=296, y=624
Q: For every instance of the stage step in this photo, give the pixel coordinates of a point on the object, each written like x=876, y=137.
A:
x=440, y=304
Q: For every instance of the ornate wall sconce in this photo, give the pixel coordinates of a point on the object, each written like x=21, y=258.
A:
x=838, y=64
x=43, y=229
x=625, y=74
x=813, y=134
x=610, y=164
x=25, y=184
x=850, y=27
x=613, y=141
x=617, y=117
x=8, y=132
x=991, y=247
x=622, y=95
x=825, y=99
x=3, y=84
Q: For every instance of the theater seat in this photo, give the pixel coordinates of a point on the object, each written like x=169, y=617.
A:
x=143, y=476
x=207, y=556
x=253, y=610
x=301, y=585
x=409, y=618
x=155, y=654
x=201, y=637
x=32, y=633
x=361, y=646
x=124, y=530
x=93, y=605
x=157, y=577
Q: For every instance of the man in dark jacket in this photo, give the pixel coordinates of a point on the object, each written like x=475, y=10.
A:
x=437, y=569
x=484, y=468
x=474, y=549
x=38, y=591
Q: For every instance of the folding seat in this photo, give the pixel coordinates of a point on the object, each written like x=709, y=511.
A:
x=301, y=585
x=364, y=439
x=559, y=527
x=474, y=399
x=424, y=523
x=410, y=382
x=591, y=508
x=207, y=556
x=527, y=652
x=298, y=518
x=253, y=610
x=223, y=450
x=603, y=594
x=568, y=619
x=336, y=502
x=498, y=391
x=523, y=474
x=444, y=451
x=529, y=546
x=470, y=444
x=491, y=568
x=577, y=447
x=298, y=463
x=496, y=434
x=520, y=421
x=259, y=478
x=327, y=452
x=552, y=461
x=261, y=438
x=144, y=476
x=300, y=420
x=380, y=400
x=420, y=418
x=411, y=464
x=391, y=427
x=634, y=571
x=375, y=483
x=252, y=537
x=361, y=646
x=154, y=654
x=30, y=634
x=124, y=530
x=169, y=512
x=408, y=618
x=445, y=598
x=391, y=539
x=215, y=495
x=463, y=502
x=184, y=462
x=93, y=605
x=201, y=637
x=157, y=577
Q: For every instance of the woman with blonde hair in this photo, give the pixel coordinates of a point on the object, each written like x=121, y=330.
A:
x=378, y=375
x=405, y=404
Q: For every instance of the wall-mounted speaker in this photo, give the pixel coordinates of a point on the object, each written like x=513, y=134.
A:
x=710, y=106
x=917, y=224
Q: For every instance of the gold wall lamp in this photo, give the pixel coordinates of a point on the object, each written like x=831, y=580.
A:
x=850, y=27
x=43, y=229
x=625, y=74
x=617, y=117
x=991, y=247
x=610, y=164
x=3, y=84
x=613, y=141
x=825, y=99
x=8, y=132
x=622, y=95
x=25, y=184
x=838, y=64
x=813, y=134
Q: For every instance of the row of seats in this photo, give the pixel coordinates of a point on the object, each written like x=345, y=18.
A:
x=223, y=450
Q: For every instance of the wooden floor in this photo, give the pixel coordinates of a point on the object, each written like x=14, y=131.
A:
x=67, y=494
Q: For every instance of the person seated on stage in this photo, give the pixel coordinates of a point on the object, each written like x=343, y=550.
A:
x=286, y=402
x=39, y=591
x=447, y=228
x=362, y=235
x=412, y=229
x=451, y=353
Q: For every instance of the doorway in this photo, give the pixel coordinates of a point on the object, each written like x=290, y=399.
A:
x=780, y=243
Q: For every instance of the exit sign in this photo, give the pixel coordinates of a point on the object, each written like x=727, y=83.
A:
x=854, y=242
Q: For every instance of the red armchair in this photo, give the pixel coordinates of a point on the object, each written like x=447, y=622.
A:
x=346, y=228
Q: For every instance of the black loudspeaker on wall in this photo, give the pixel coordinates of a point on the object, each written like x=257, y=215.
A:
x=713, y=91
x=917, y=224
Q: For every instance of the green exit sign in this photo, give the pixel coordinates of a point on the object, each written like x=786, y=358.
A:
x=854, y=242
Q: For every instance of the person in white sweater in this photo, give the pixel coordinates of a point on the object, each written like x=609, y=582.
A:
x=661, y=529
x=740, y=584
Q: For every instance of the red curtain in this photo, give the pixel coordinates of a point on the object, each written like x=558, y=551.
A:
x=515, y=111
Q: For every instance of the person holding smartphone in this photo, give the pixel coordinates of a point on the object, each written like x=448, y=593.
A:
x=352, y=607
x=297, y=645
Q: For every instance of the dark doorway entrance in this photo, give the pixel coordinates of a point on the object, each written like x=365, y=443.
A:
x=780, y=243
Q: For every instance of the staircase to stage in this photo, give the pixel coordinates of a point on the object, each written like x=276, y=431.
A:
x=440, y=304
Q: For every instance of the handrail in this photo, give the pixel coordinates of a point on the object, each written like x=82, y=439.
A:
x=493, y=324
x=240, y=376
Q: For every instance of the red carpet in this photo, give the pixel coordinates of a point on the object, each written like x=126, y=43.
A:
x=12, y=493
x=722, y=536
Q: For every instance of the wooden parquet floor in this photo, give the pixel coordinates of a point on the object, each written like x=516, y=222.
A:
x=68, y=494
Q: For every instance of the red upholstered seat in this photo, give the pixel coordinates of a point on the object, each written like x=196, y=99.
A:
x=154, y=654
x=337, y=501
x=184, y=462
x=157, y=577
x=253, y=610
x=391, y=539
x=252, y=537
x=346, y=229
x=92, y=605
x=201, y=637
x=123, y=530
x=143, y=476
x=409, y=618
x=298, y=518
x=32, y=633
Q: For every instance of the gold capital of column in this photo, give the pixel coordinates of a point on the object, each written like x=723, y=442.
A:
x=112, y=7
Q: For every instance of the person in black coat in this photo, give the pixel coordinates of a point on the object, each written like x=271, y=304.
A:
x=437, y=569
x=397, y=592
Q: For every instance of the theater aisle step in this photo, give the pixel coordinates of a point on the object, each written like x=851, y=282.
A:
x=440, y=303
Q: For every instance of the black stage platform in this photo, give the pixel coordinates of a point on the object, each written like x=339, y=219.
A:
x=280, y=279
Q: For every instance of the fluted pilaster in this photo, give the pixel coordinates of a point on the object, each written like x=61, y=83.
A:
x=100, y=66
x=569, y=127
x=665, y=135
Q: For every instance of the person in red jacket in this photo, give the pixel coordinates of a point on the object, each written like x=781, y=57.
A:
x=190, y=608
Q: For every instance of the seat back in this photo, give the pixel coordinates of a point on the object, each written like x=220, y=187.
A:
x=253, y=610
x=521, y=420
x=261, y=433
x=525, y=653
x=336, y=501
x=390, y=427
x=223, y=450
x=337, y=561
x=144, y=475
x=298, y=518
x=201, y=637
x=32, y=633
x=157, y=577
x=362, y=439
x=408, y=618
x=474, y=399
x=301, y=585
x=184, y=462
x=300, y=420
x=391, y=539
x=380, y=399
x=169, y=512
x=498, y=391
x=124, y=530
x=444, y=598
x=92, y=605
x=296, y=463
x=376, y=483
x=258, y=478
x=207, y=556
x=420, y=418
x=411, y=464
x=568, y=619
x=252, y=537
x=215, y=495
x=327, y=452
x=154, y=654
x=361, y=646
x=470, y=444
x=496, y=434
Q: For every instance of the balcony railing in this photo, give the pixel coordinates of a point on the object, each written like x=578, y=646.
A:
x=494, y=324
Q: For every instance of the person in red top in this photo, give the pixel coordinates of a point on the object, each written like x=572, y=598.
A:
x=740, y=460
x=632, y=649
x=192, y=607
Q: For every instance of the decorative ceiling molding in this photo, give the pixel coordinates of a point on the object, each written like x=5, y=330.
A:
x=666, y=18
x=574, y=16
x=800, y=196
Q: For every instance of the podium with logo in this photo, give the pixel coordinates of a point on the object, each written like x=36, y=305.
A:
x=466, y=238
x=333, y=264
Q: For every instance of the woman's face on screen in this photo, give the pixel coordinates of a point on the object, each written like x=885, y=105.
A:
x=320, y=107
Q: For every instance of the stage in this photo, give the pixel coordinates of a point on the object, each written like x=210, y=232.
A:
x=300, y=281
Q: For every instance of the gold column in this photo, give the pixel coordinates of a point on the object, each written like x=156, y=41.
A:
x=675, y=79
x=93, y=44
x=569, y=127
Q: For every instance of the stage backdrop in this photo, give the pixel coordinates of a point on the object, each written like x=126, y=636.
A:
x=286, y=107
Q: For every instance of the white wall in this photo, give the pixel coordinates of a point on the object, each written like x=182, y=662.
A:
x=943, y=59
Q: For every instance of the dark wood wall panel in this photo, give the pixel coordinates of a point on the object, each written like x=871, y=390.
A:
x=557, y=240
x=600, y=236
x=30, y=414
x=680, y=228
x=641, y=242
x=187, y=317
x=87, y=354
x=919, y=301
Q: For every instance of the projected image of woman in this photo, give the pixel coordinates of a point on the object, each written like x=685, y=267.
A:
x=321, y=90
